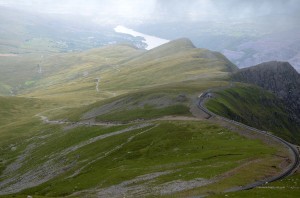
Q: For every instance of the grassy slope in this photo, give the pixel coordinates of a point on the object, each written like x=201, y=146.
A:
x=14, y=107
x=30, y=36
x=286, y=188
x=173, y=62
x=160, y=149
x=60, y=70
x=200, y=149
x=157, y=98
x=146, y=112
x=17, y=123
x=170, y=146
x=119, y=74
x=18, y=72
x=255, y=107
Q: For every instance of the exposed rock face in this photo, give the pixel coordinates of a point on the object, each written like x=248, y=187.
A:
x=280, y=78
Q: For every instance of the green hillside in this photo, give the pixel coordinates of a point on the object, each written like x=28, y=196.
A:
x=86, y=111
x=255, y=107
x=175, y=61
x=140, y=134
x=159, y=101
x=21, y=73
x=285, y=188
x=121, y=69
x=14, y=107
x=18, y=72
x=18, y=124
x=152, y=155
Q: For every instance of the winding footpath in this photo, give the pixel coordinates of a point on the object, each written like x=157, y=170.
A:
x=290, y=170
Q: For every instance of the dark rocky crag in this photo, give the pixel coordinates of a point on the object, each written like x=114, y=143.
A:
x=278, y=77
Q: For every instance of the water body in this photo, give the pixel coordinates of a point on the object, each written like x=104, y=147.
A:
x=151, y=41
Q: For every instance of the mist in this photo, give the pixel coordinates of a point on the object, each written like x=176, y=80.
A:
x=143, y=11
x=247, y=32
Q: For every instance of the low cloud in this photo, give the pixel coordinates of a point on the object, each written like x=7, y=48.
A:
x=160, y=10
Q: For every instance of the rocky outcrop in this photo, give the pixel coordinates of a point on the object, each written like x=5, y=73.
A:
x=278, y=77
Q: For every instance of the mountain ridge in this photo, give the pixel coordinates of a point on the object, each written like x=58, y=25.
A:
x=120, y=68
x=278, y=77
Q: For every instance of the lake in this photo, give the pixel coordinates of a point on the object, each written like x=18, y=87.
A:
x=151, y=41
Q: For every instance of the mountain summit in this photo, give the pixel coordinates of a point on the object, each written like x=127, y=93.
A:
x=179, y=44
x=183, y=53
x=279, y=77
x=168, y=49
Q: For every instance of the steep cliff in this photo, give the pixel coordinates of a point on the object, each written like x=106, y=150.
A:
x=278, y=77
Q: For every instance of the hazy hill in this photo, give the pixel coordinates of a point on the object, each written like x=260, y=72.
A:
x=26, y=32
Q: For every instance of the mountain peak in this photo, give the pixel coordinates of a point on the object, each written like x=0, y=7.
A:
x=168, y=49
x=183, y=42
x=178, y=44
x=260, y=74
x=274, y=66
x=278, y=77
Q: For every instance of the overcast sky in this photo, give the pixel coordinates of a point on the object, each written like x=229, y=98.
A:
x=145, y=10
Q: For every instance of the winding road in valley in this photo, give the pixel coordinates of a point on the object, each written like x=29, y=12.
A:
x=290, y=170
